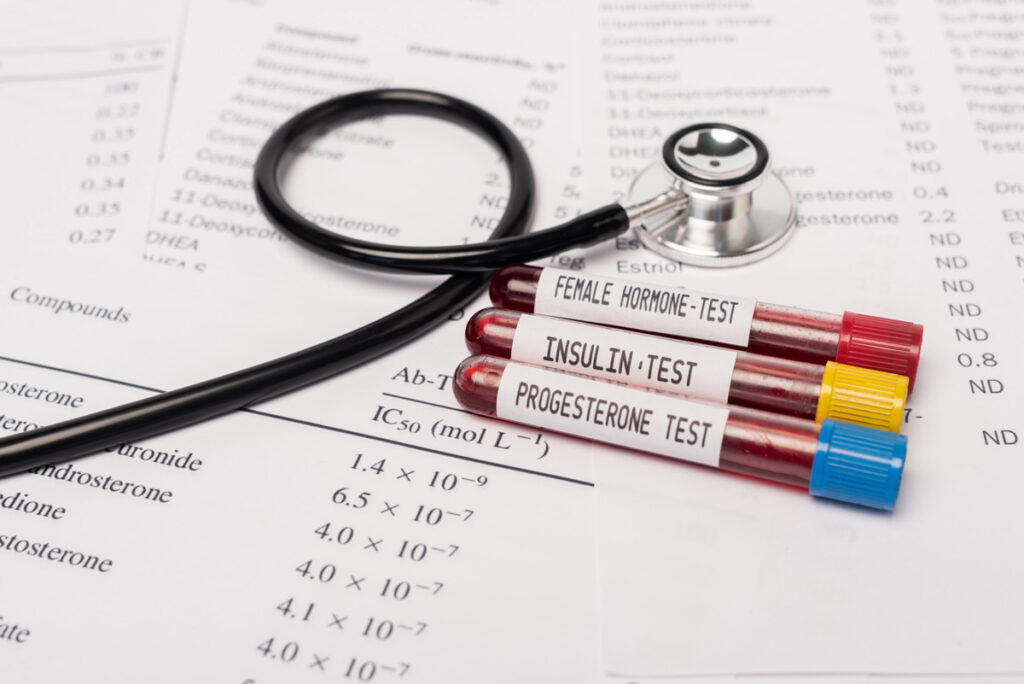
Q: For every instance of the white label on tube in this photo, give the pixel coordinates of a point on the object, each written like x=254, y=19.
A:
x=659, y=363
x=637, y=419
x=643, y=307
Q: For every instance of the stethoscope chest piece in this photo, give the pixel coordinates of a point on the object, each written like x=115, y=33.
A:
x=736, y=209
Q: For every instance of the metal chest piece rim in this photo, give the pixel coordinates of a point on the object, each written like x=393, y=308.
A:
x=736, y=211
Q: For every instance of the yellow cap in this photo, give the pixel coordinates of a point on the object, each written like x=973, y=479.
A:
x=859, y=395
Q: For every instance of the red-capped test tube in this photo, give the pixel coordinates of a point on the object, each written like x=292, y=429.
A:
x=855, y=339
x=831, y=459
x=807, y=390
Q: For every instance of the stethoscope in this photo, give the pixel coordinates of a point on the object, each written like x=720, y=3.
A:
x=711, y=200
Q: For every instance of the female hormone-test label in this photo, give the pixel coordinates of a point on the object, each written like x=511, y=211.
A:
x=636, y=419
x=649, y=308
x=643, y=360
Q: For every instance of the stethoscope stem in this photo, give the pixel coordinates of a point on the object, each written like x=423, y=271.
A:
x=670, y=200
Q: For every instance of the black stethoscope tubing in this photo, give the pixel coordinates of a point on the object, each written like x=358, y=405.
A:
x=499, y=250
x=471, y=265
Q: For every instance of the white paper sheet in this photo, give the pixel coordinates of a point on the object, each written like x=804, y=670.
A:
x=85, y=91
x=214, y=583
x=365, y=529
x=823, y=679
x=914, y=107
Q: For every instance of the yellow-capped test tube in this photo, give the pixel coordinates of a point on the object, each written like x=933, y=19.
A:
x=847, y=393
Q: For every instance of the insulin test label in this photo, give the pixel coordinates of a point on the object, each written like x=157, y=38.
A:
x=649, y=308
x=633, y=418
x=645, y=360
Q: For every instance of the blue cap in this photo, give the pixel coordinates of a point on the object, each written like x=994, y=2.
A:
x=858, y=464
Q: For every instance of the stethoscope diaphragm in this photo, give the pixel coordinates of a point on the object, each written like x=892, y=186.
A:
x=732, y=209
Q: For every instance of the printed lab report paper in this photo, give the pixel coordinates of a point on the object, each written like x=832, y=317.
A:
x=84, y=90
x=366, y=529
x=823, y=679
x=898, y=128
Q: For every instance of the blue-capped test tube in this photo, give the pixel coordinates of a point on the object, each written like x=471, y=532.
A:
x=831, y=459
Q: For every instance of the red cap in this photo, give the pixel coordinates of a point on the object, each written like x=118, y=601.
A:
x=880, y=343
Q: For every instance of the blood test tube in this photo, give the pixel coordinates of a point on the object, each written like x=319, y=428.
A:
x=830, y=459
x=806, y=390
x=855, y=339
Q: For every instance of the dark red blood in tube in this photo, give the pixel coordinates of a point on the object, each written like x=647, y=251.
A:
x=775, y=384
x=795, y=333
x=867, y=341
x=766, y=445
x=515, y=287
x=766, y=382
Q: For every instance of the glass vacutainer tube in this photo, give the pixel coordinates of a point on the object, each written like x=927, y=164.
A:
x=806, y=390
x=855, y=339
x=831, y=459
